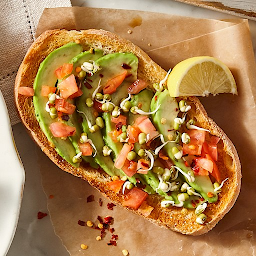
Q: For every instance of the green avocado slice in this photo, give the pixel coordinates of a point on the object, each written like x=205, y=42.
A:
x=110, y=66
x=46, y=76
x=169, y=110
x=77, y=61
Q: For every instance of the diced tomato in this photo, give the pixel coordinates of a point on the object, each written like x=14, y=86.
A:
x=210, y=149
x=26, y=91
x=114, y=83
x=65, y=107
x=76, y=94
x=129, y=168
x=64, y=70
x=120, y=119
x=115, y=185
x=46, y=90
x=85, y=148
x=214, y=140
x=194, y=147
x=145, y=209
x=120, y=160
x=146, y=126
x=68, y=86
x=135, y=198
x=133, y=134
x=205, y=164
x=215, y=172
x=62, y=130
x=139, y=119
x=142, y=166
x=137, y=86
x=114, y=134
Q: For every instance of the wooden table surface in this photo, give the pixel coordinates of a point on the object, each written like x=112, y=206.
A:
x=244, y=9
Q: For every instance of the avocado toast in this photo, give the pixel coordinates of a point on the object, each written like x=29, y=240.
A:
x=171, y=192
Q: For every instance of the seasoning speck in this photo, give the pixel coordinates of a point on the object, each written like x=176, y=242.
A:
x=81, y=223
x=84, y=246
x=51, y=196
x=41, y=215
x=90, y=198
x=110, y=206
x=100, y=202
x=98, y=238
x=129, y=31
x=89, y=223
x=100, y=225
x=125, y=252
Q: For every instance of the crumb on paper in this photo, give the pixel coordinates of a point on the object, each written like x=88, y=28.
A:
x=51, y=196
x=125, y=252
x=100, y=202
x=90, y=198
x=129, y=31
x=110, y=206
x=149, y=44
x=84, y=246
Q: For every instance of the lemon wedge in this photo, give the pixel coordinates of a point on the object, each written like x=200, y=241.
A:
x=200, y=76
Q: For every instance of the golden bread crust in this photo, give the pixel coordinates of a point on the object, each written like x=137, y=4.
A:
x=177, y=219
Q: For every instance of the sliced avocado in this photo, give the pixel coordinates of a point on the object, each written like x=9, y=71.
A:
x=77, y=61
x=46, y=76
x=110, y=65
x=168, y=111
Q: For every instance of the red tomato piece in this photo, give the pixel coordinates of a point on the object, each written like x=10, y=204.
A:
x=114, y=134
x=194, y=147
x=115, y=185
x=62, y=130
x=139, y=120
x=120, y=119
x=142, y=166
x=137, y=86
x=113, y=83
x=129, y=168
x=146, y=126
x=46, y=90
x=120, y=160
x=65, y=107
x=215, y=172
x=26, y=91
x=76, y=94
x=68, y=86
x=135, y=198
x=64, y=70
x=205, y=164
x=133, y=134
x=85, y=148
x=214, y=140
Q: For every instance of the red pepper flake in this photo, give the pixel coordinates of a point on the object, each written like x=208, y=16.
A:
x=108, y=220
x=111, y=242
x=119, y=126
x=110, y=206
x=156, y=98
x=51, y=196
x=41, y=215
x=176, y=109
x=186, y=163
x=87, y=85
x=100, y=219
x=101, y=75
x=201, y=198
x=81, y=223
x=100, y=202
x=193, y=204
x=90, y=198
x=111, y=230
x=197, y=201
x=114, y=237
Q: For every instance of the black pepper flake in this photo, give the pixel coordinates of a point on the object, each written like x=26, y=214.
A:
x=90, y=198
x=81, y=223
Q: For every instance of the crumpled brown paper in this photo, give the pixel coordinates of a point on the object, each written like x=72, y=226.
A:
x=168, y=40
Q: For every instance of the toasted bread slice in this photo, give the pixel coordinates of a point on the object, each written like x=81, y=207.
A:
x=178, y=219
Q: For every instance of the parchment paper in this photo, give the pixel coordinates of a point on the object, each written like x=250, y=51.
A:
x=168, y=40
